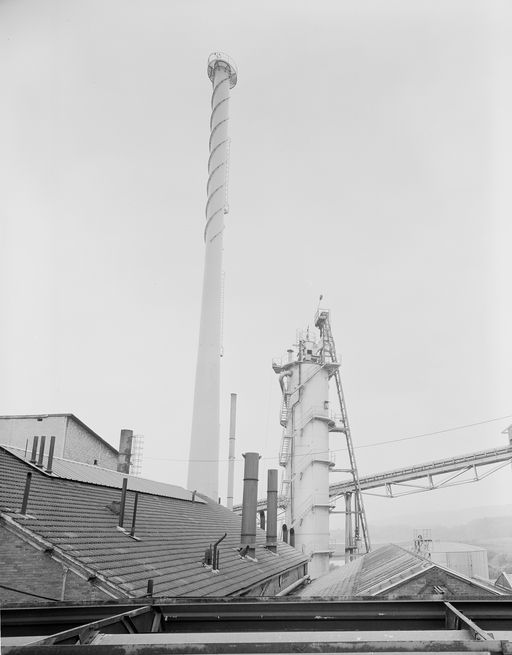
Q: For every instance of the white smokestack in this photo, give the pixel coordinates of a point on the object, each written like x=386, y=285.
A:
x=203, y=470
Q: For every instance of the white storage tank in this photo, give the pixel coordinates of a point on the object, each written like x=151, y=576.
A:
x=463, y=558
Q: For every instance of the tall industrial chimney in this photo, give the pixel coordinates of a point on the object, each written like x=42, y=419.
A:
x=203, y=470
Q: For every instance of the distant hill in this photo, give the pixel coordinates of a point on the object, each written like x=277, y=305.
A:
x=489, y=527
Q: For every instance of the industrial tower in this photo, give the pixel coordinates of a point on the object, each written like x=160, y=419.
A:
x=203, y=471
x=307, y=423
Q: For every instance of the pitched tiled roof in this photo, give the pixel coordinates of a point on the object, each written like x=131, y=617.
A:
x=382, y=569
x=81, y=472
x=75, y=518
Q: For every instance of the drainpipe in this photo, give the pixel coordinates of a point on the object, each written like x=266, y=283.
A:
x=272, y=510
x=231, y=463
x=125, y=451
x=250, y=504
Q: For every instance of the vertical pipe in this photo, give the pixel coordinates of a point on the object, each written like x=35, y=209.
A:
x=149, y=591
x=262, y=519
x=203, y=470
x=125, y=451
x=26, y=493
x=272, y=510
x=41, y=452
x=26, y=448
x=357, y=527
x=123, y=502
x=33, y=457
x=49, y=464
x=231, y=461
x=135, y=503
x=348, y=527
x=249, y=503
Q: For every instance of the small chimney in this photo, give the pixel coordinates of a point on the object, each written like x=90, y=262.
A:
x=272, y=510
x=123, y=502
x=125, y=451
x=41, y=452
x=134, y=517
x=33, y=457
x=50, y=455
x=26, y=493
x=250, y=504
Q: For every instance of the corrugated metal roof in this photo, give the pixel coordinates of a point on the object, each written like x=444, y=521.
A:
x=376, y=572
x=81, y=472
x=78, y=520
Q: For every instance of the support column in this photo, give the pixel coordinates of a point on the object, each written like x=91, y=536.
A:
x=348, y=528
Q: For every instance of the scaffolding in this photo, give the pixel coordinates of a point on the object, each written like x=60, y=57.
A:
x=137, y=454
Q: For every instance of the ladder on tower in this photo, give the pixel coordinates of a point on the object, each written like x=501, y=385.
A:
x=322, y=322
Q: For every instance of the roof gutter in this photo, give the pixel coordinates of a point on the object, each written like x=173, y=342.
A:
x=239, y=592
x=294, y=585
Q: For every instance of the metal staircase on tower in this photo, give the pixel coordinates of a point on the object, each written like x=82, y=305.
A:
x=356, y=524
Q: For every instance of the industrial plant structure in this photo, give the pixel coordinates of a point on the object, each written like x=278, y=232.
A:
x=307, y=422
x=203, y=472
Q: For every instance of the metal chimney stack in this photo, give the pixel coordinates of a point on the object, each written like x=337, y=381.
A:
x=203, y=471
x=125, y=451
x=250, y=503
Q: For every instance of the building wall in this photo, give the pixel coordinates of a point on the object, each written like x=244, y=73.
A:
x=72, y=440
x=280, y=582
x=15, y=431
x=29, y=569
x=423, y=587
x=82, y=446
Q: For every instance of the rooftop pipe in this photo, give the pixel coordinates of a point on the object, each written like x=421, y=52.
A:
x=272, y=510
x=41, y=452
x=125, y=451
x=49, y=464
x=33, y=457
x=249, y=504
x=231, y=462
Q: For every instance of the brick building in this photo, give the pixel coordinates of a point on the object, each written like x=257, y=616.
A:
x=74, y=440
x=66, y=543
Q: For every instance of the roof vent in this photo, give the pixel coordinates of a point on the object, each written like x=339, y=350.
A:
x=211, y=554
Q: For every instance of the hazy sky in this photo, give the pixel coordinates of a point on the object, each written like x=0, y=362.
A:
x=370, y=161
